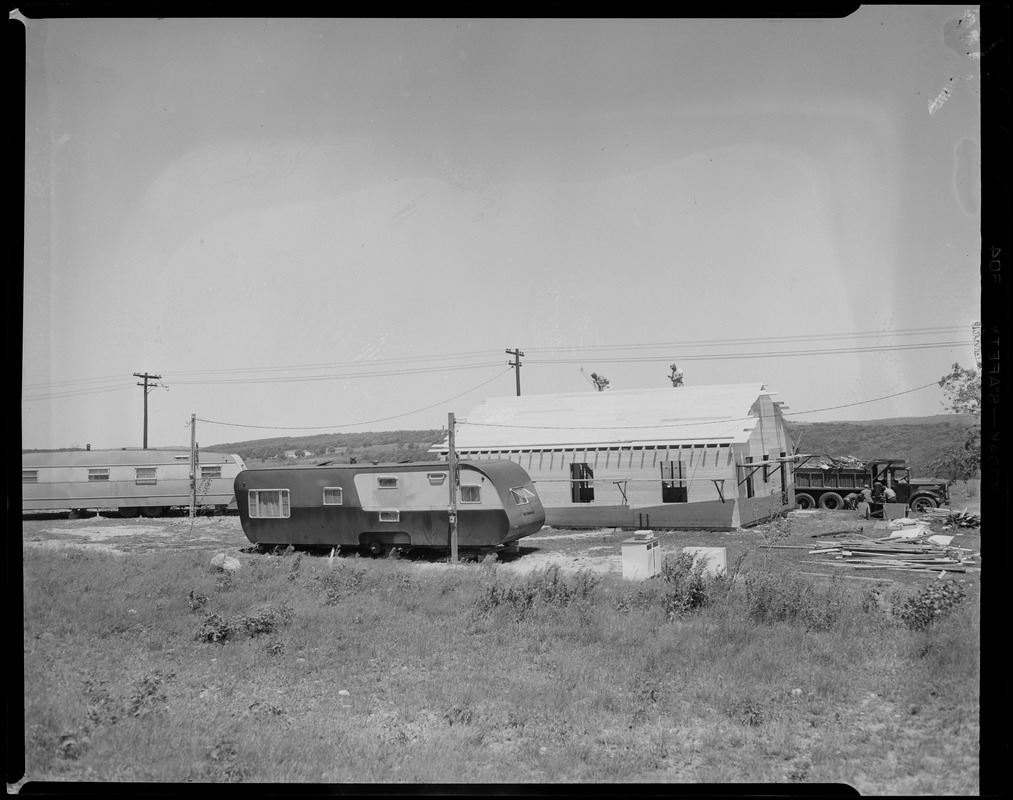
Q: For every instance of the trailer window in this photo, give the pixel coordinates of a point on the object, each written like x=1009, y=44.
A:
x=471, y=494
x=437, y=478
x=332, y=496
x=386, y=483
x=211, y=472
x=521, y=496
x=98, y=474
x=145, y=475
x=29, y=476
x=390, y=516
x=269, y=503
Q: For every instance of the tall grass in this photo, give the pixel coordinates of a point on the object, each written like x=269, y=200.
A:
x=297, y=668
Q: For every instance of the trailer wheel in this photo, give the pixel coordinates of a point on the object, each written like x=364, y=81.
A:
x=128, y=512
x=804, y=500
x=923, y=503
x=152, y=511
x=831, y=501
x=376, y=549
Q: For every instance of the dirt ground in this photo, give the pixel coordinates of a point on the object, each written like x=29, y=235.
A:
x=598, y=551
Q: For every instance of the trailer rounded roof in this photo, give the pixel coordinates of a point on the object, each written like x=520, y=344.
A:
x=685, y=415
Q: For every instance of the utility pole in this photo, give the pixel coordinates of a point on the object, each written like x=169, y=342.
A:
x=516, y=364
x=146, y=377
x=454, y=478
x=193, y=465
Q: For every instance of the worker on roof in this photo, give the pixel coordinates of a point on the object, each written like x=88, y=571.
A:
x=676, y=376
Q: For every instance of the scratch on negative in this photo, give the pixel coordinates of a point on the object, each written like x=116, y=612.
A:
x=941, y=98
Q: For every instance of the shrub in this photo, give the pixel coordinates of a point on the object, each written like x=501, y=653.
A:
x=545, y=585
x=214, y=628
x=264, y=620
x=934, y=601
x=686, y=585
x=782, y=597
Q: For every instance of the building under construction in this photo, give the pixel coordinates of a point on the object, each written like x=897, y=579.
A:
x=703, y=457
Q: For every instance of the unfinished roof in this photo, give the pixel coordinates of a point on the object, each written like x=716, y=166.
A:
x=686, y=415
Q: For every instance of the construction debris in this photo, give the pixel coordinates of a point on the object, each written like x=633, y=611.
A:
x=951, y=518
x=919, y=553
x=837, y=462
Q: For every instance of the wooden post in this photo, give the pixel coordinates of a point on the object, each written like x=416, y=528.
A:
x=193, y=465
x=453, y=477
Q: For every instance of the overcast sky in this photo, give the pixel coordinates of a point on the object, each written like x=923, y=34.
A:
x=307, y=226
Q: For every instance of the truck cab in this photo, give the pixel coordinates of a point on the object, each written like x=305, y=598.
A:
x=917, y=493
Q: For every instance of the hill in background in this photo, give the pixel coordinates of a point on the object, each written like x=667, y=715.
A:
x=918, y=440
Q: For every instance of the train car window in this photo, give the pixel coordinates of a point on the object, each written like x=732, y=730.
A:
x=98, y=474
x=332, y=496
x=211, y=472
x=521, y=496
x=29, y=476
x=471, y=494
x=145, y=475
x=390, y=516
x=386, y=483
x=269, y=503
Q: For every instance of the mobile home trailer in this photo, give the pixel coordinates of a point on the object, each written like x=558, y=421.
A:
x=131, y=481
x=384, y=506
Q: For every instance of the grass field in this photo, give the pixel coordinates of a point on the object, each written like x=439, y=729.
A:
x=301, y=668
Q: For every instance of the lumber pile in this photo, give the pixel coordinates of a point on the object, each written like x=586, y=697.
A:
x=921, y=553
x=951, y=518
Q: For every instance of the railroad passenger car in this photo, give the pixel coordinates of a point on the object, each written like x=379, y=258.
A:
x=384, y=506
x=130, y=480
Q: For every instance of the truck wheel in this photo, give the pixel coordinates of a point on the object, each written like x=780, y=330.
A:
x=831, y=501
x=923, y=503
x=804, y=500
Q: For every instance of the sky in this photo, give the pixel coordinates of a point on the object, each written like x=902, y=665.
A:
x=307, y=226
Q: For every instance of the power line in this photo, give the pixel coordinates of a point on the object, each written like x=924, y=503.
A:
x=353, y=424
x=768, y=354
x=804, y=337
x=685, y=424
x=347, y=376
x=582, y=353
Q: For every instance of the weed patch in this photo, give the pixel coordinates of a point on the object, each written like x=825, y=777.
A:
x=546, y=586
x=930, y=604
x=214, y=628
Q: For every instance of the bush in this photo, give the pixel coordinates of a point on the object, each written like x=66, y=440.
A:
x=545, y=585
x=264, y=620
x=781, y=597
x=934, y=601
x=214, y=628
x=687, y=588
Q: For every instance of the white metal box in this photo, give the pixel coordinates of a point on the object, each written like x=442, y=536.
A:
x=641, y=556
x=714, y=559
